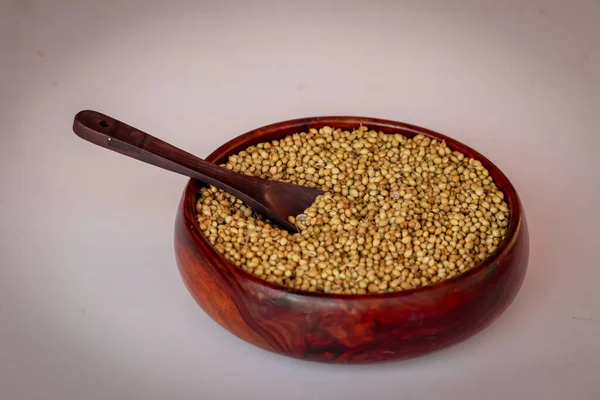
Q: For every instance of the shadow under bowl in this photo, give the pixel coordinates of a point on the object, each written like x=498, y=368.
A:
x=349, y=328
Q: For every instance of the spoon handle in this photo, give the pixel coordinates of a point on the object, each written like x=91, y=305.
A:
x=115, y=135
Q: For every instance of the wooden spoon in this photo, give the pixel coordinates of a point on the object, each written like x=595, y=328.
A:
x=274, y=200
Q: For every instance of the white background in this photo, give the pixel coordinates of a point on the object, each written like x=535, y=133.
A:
x=91, y=302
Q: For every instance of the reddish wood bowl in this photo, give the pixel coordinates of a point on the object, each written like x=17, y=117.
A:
x=349, y=328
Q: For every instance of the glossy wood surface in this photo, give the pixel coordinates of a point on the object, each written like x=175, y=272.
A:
x=275, y=200
x=350, y=328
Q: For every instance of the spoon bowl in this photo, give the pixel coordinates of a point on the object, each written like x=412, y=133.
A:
x=349, y=328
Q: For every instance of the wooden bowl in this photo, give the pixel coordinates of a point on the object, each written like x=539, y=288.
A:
x=349, y=328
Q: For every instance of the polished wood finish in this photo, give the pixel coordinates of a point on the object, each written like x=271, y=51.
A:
x=349, y=328
x=275, y=200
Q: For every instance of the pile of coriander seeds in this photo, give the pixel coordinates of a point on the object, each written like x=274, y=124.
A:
x=398, y=213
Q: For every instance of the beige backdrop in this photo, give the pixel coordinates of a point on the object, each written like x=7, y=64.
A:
x=91, y=303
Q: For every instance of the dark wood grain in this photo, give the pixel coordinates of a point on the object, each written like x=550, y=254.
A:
x=275, y=200
x=350, y=328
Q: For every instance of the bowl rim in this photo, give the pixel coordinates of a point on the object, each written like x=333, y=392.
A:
x=281, y=129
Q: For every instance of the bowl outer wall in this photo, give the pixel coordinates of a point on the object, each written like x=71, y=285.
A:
x=349, y=328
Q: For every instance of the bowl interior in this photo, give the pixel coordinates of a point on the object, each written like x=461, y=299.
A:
x=281, y=129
